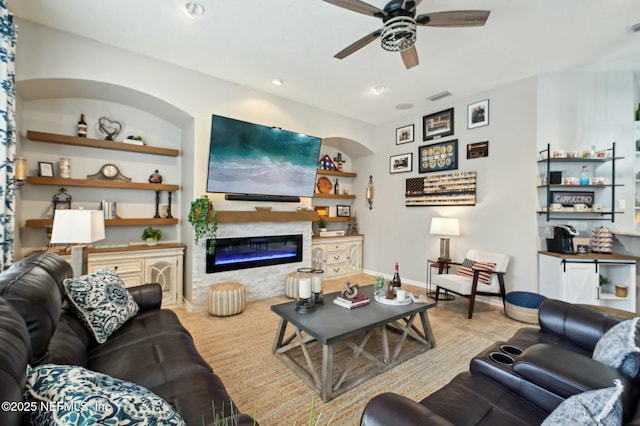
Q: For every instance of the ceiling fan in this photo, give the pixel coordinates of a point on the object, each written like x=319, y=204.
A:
x=399, y=21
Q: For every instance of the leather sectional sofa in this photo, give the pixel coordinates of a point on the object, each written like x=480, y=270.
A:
x=523, y=386
x=152, y=349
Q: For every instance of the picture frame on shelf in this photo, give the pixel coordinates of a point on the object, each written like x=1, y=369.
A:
x=45, y=169
x=438, y=157
x=478, y=114
x=343, y=211
x=404, y=134
x=322, y=210
x=401, y=163
x=438, y=125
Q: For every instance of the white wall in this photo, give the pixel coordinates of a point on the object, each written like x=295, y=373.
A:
x=504, y=217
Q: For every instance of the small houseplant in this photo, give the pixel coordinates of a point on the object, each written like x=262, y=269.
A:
x=322, y=224
x=202, y=217
x=151, y=235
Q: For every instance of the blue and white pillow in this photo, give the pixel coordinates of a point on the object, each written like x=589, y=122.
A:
x=601, y=407
x=618, y=347
x=70, y=395
x=101, y=301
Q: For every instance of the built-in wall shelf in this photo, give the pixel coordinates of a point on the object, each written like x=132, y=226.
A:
x=99, y=143
x=94, y=183
x=336, y=173
x=48, y=223
x=337, y=196
x=237, y=216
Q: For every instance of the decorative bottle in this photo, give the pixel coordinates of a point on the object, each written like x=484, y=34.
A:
x=396, y=277
x=390, y=291
x=584, y=176
x=82, y=127
x=336, y=187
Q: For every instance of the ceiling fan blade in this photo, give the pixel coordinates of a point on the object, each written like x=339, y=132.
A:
x=358, y=6
x=454, y=18
x=353, y=47
x=410, y=57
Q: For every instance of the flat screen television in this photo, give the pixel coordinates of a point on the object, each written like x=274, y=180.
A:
x=252, y=159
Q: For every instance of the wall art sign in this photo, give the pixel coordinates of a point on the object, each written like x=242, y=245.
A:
x=451, y=189
x=477, y=150
x=437, y=125
x=404, y=134
x=478, y=114
x=568, y=199
x=438, y=157
x=401, y=163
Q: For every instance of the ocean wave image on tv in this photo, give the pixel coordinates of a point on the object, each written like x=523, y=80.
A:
x=247, y=158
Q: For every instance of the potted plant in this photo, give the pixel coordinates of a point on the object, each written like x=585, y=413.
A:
x=322, y=224
x=151, y=235
x=202, y=217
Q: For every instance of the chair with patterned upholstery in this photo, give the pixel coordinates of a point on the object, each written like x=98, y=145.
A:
x=481, y=273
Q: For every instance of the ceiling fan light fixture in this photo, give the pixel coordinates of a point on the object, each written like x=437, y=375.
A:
x=193, y=10
x=398, y=33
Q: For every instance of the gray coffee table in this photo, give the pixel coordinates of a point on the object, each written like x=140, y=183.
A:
x=330, y=324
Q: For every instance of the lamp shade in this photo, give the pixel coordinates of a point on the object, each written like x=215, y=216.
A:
x=77, y=226
x=445, y=226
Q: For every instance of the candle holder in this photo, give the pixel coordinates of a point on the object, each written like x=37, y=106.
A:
x=306, y=301
x=317, y=277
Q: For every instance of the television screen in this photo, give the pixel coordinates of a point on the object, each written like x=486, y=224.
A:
x=246, y=158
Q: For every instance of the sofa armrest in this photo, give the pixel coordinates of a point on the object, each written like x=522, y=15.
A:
x=393, y=409
x=147, y=296
x=564, y=372
x=574, y=323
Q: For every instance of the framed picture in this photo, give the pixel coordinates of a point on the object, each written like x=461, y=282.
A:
x=45, y=169
x=438, y=157
x=404, y=134
x=322, y=210
x=478, y=150
x=343, y=211
x=478, y=114
x=437, y=125
x=401, y=163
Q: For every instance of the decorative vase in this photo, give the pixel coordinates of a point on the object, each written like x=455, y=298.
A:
x=621, y=290
x=151, y=242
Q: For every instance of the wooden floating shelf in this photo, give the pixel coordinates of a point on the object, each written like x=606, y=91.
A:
x=39, y=180
x=99, y=143
x=336, y=196
x=234, y=216
x=336, y=219
x=48, y=223
x=336, y=173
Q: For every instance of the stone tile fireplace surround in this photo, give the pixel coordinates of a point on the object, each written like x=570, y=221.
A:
x=261, y=282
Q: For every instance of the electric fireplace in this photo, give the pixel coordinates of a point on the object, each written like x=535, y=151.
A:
x=251, y=252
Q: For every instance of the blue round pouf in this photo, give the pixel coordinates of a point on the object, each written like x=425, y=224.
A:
x=523, y=306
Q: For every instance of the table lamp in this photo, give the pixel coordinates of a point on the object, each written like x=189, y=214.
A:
x=445, y=227
x=78, y=227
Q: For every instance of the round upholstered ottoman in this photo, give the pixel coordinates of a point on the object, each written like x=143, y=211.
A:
x=523, y=306
x=291, y=285
x=226, y=299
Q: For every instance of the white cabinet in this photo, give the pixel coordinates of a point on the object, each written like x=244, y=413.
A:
x=576, y=279
x=162, y=265
x=337, y=256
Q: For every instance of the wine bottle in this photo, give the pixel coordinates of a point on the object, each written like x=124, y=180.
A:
x=82, y=127
x=396, y=277
x=336, y=187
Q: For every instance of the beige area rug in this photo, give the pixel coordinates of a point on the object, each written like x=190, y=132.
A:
x=239, y=350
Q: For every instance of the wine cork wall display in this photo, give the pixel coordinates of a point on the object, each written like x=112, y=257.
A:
x=455, y=189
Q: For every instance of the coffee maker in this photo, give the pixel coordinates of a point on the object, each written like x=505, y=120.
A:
x=562, y=239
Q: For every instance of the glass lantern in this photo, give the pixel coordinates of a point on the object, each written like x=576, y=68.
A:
x=306, y=302
x=317, y=276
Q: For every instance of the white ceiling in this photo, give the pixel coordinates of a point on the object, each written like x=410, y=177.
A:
x=252, y=41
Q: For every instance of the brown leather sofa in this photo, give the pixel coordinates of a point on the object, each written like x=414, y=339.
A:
x=522, y=386
x=151, y=349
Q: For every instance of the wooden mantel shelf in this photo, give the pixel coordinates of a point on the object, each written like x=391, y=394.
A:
x=238, y=216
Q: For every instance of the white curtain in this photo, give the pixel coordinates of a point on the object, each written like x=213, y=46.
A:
x=8, y=38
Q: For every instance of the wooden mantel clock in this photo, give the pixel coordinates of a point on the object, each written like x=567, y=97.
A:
x=111, y=172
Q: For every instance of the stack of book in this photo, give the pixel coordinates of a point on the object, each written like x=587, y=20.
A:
x=359, y=300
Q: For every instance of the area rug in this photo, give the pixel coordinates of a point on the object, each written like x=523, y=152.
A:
x=239, y=349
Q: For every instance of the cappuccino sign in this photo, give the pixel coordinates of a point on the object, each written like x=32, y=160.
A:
x=568, y=199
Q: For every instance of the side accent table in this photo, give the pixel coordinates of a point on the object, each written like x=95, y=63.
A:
x=442, y=266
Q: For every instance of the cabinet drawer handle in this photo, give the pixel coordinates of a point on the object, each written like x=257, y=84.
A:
x=336, y=257
x=336, y=269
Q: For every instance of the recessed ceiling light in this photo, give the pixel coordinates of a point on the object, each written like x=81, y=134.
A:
x=277, y=82
x=193, y=10
x=404, y=106
x=379, y=89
